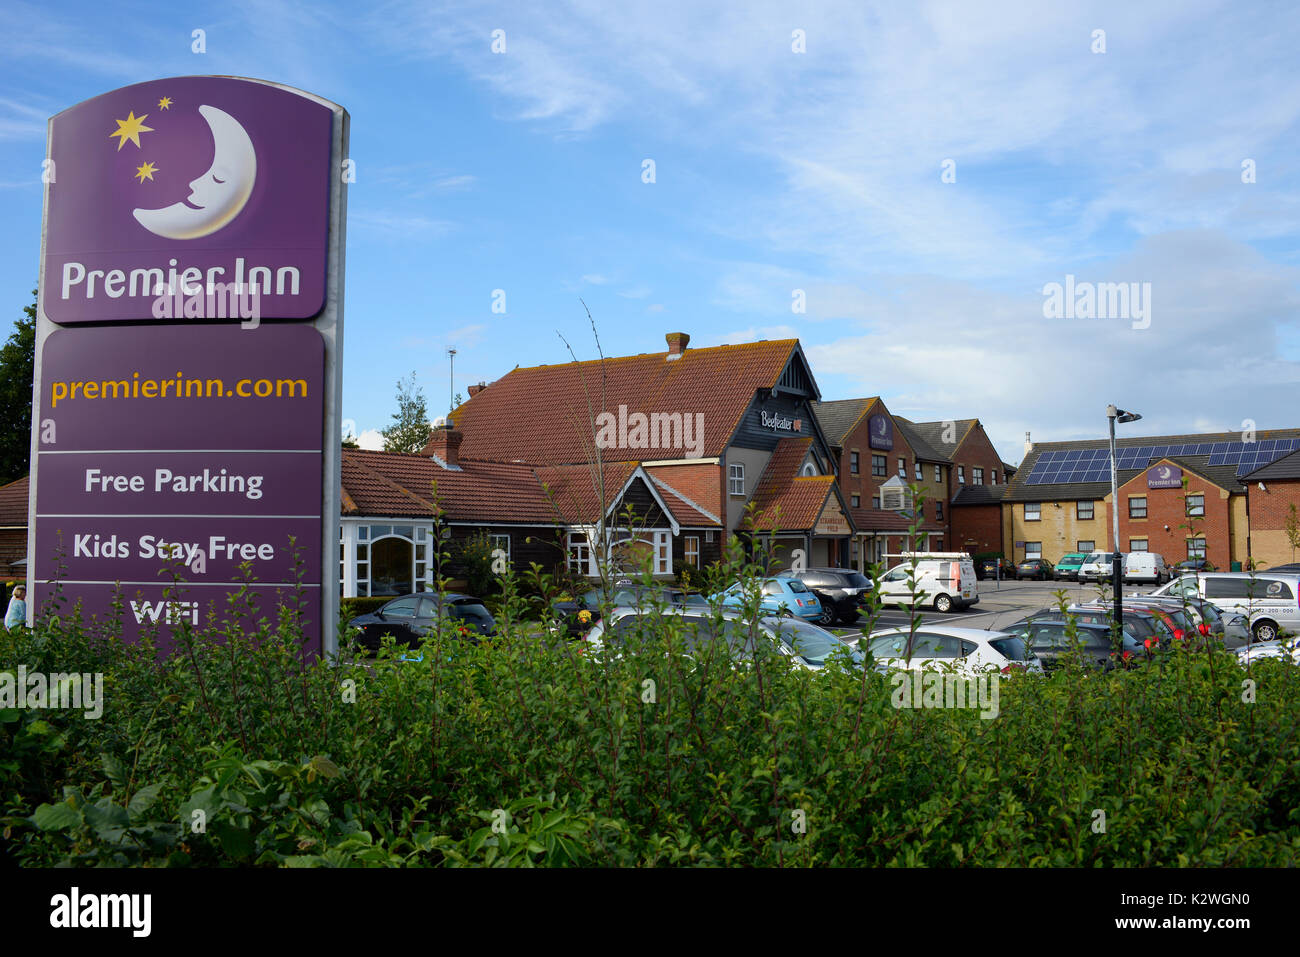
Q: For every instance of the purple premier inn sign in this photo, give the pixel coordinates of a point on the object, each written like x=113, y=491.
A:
x=174, y=185
x=880, y=429
x=179, y=451
x=1164, y=476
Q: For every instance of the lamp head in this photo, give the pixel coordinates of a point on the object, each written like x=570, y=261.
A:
x=1127, y=416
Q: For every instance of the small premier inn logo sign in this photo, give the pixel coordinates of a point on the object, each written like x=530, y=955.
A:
x=880, y=432
x=172, y=186
x=780, y=423
x=1165, y=476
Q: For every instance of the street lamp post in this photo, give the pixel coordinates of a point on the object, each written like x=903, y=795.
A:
x=1117, y=560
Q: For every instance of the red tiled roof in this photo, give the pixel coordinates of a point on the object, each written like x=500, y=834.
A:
x=390, y=483
x=546, y=414
x=700, y=486
x=685, y=511
x=575, y=491
x=13, y=503
x=784, y=499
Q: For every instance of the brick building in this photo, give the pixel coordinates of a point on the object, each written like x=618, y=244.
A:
x=1060, y=498
x=1272, y=500
x=13, y=529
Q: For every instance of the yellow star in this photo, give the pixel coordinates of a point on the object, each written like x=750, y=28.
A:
x=165, y=102
x=145, y=172
x=130, y=129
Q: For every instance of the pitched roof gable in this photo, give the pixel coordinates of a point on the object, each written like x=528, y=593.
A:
x=545, y=415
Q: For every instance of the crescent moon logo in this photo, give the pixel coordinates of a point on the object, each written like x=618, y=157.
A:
x=1165, y=471
x=219, y=194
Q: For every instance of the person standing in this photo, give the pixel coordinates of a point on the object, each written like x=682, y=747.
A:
x=17, y=613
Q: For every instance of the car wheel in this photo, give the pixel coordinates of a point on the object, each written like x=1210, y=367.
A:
x=1265, y=631
x=786, y=613
x=943, y=603
x=828, y=615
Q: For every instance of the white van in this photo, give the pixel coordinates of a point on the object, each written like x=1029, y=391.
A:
x=1098, y=566
x=1145, y=567
x=1270, y=601
x=944, y=580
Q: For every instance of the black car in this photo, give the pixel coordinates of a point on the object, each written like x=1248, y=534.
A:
x=843, y=592
x=623, y=593
x=1037, y=568
x=1050, y=643
x=1193, y=565
x=989, y=568
x=410, y=618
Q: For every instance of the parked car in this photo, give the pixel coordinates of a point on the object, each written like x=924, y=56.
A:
x=1039, y=569
x=1049, y=640
x=1098, y=566
x=1141, y=623
x=843, y=592
x=1194, y=565
x=782, y=595
x=1270, y=602
x=809, y=647
x=1293, y=567
x=944, y=580
x=568, y=614
x=1205, y=617
x=1284, y=649
x=1000, y=568
x=1146, y=567
x=1067, y=569
x=967, y=649
x=410, y=618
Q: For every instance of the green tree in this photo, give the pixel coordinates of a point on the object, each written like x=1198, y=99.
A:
x=17, y=364
x=409, y=432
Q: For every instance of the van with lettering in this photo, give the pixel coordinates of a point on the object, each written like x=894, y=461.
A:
x=1269, y=602
x=943, y=581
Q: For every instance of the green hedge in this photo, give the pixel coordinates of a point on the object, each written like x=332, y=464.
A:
x=639, y=760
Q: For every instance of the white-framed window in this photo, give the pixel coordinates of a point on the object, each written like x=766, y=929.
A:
x=1083, y=511
x=1137, y=545
x=920, y=474
x=902, y=468
x=1033, y=550
x=961, y=475
x=386, y=559
x=809, y=469
x=579, y=553
x=736, y=479
x=502, y=542
x=1085, y=545
x=938, y=473
x=1195, y=505
x=1196, y=548
x=1137, y=506
x=691, y=546
x=1033, y=511
x=977, y=476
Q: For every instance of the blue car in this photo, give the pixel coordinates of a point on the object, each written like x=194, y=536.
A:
x=781, y=596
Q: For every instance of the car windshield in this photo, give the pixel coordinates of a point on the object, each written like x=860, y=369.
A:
x=856, y=580
x=471, y=611
x=813, y=644
x=1013, y=648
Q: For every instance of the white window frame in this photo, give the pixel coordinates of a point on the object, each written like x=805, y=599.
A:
x=1196, y=547
x=1037, y=514
x=691, y=550
x=1195, y=511
x=736, y=478
x=501, y=540
x=938, y=474
x=920, y=471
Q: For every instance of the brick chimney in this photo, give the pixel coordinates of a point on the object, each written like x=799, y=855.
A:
x=476, y=389
x=444, y=442
x=677, y=343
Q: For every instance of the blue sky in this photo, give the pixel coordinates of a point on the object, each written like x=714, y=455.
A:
x=774, y=171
